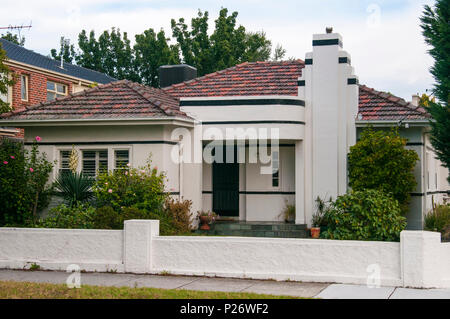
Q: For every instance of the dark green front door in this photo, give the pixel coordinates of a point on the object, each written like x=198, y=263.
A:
x=226, y=189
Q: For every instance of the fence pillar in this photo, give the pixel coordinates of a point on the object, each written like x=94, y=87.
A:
x=420, y=255
x=138, y=235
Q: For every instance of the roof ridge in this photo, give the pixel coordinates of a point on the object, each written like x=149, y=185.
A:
x=140, y=89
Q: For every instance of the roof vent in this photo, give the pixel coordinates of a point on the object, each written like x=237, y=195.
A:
x=329, y=29
x=173, y=74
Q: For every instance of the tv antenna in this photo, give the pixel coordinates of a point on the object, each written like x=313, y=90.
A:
x=17, y=28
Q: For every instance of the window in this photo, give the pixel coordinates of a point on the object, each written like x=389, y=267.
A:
x=24, y=87
x=121, y=158
x=55, y=90
x=94, y=161
x=64, y=162
x=275, y=169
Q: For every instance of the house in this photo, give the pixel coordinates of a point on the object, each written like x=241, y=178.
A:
x=40, y=78
x=242, y=141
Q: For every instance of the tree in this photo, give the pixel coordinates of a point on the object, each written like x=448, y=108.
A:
x=6, y=80
x=379, y=160
x=66, y=51
x=436, y=30
x=151, y=51
x=14, y=38
x=228, y=45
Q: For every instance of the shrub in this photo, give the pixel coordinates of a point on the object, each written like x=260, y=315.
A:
x=288, y=212
x=166, y=226
x=380, y=161
x=74, y=187
x=24, y=184
x=439, y=220
x=179, y=213
x=141, y=188
x=365, y=215
x=107, y=218
x=78, y=216
x=319, y=219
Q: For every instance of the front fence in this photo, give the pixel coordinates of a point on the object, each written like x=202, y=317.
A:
x=418, y=260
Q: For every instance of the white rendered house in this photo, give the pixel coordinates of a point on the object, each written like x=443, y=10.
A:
x=244, y=141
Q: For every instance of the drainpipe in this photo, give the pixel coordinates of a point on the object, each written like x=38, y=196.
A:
x=180, y=168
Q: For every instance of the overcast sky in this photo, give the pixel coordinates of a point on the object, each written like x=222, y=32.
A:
x=383, y=37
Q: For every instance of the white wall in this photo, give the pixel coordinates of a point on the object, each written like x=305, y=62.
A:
x=419, y=260
x=55, y=249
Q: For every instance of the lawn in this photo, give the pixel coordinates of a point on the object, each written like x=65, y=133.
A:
x=28, y=290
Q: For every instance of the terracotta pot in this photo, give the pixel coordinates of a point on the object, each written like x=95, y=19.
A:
x=205, y=221
x=315, y=232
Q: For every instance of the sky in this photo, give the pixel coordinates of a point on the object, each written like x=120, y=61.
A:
x=383, y=36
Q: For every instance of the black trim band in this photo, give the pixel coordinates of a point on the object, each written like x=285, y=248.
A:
x=301, y=83
x=308, y=61
x=327, y=42
x=430, y=193
x=414, y=144
x=103, y=143
x=352, y=81
x=344, y=60
x=257, y=193
x=242, y=102
x=253, y=122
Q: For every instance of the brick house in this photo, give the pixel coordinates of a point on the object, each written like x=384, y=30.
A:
x=40, y=79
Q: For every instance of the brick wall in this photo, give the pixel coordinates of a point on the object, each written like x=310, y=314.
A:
x=37, y=89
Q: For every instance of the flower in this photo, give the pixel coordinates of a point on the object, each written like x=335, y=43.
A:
x=106, y=183
x=5, y=162
x=38, y=138
x=13, y=157
x=110, y=190
x=128, y=164
x=31, y=170
x=126, y=172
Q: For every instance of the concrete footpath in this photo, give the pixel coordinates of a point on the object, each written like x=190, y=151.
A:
x=294, y=289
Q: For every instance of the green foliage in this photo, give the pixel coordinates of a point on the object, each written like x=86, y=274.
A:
x=379, y=160
x=74, y=187
x=24, y=179
x=364, y=215
x=14, y=38
x=6, y=80
x=142, y=188
x=439, y=220
x=319, y=218
x=288, y=212
x=228, y=45
x=107, y=218
x=79, y=216
x=436, y=30
x=66, y=51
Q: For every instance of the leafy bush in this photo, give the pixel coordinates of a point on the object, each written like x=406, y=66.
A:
x=365, y=215
x=439, y=220
x=380, y=161
x=24, y=183
x=179, y=213
x=78, y=216
x=166, y=226
x=74, y=188
x=141, y=188
x=107, y=218
x=319, y=219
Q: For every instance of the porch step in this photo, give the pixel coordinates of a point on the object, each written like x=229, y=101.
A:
x=250, y=229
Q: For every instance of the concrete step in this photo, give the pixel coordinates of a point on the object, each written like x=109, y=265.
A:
x=262, y=233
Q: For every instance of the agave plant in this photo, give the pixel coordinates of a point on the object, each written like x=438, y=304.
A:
x=74, y=187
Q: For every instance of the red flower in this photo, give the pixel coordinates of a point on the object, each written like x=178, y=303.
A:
x=38, y=138
x=31, y=170
x=5, y=162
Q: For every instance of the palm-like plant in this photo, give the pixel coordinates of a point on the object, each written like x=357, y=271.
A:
x=74, y=187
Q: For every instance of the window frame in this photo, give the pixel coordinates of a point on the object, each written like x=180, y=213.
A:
x=114, y=150
x=55, y=91
x=61, y=162
x=27, y=80
x=96, y=160
x=278, y=177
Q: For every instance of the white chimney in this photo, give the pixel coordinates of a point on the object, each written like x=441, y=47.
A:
x=415, y=100
x=331, y=93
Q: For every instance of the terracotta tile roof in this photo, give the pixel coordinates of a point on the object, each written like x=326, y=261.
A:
x=255, y=78
x=379, y=106
x=120, y=99
x=280, y=78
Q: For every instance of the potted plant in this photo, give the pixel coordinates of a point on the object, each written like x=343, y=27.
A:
x=288, y=213
x=206, y=218
x=319, y=219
